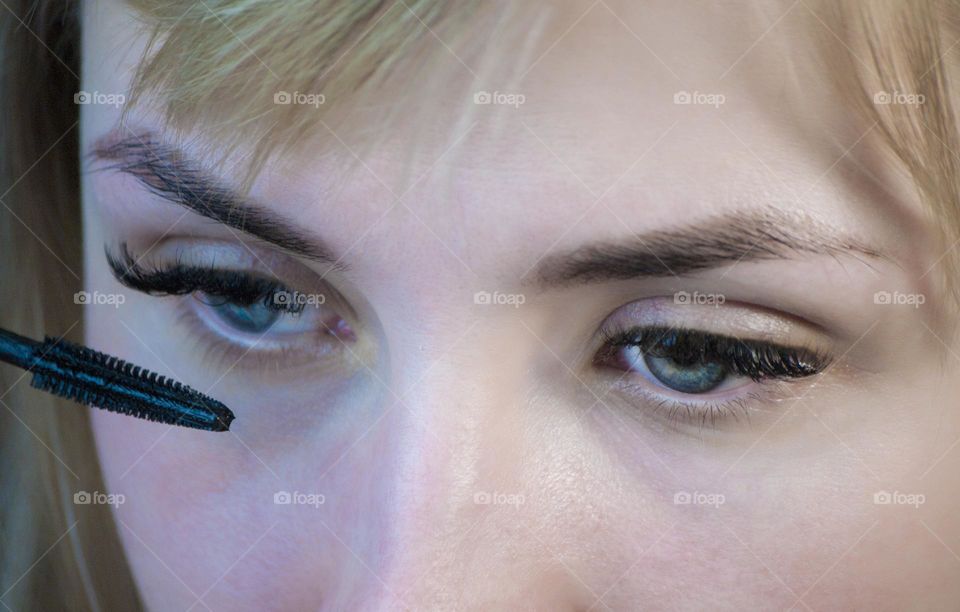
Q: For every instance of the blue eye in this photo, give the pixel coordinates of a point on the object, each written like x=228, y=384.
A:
x=696, y=362
x=255, y=318
x=258, y=320
x=686, y=376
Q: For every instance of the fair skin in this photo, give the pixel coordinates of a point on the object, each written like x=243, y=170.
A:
x=434, y=401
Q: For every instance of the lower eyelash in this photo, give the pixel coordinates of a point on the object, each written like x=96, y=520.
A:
x=676, y=412
x=220, y=353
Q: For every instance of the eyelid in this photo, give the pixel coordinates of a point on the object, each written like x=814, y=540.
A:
x=643, y=399
x=640, y=402
x=732, y=319
x=292, y=356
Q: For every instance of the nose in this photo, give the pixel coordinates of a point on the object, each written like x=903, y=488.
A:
x=468, y=524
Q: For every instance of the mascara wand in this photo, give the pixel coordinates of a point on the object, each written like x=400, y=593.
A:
x=96, y=379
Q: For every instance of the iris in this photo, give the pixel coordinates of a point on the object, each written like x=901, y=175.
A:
x=255, y=318
x=692, y=374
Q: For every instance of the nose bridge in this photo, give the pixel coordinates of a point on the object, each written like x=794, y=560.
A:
x=460, y=408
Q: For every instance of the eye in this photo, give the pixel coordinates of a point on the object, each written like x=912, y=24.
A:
x=697, y=363
x=274, y=318
x=261, y=317
x=243, y=311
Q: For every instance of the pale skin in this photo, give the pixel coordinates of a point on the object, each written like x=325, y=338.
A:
x=473, y=456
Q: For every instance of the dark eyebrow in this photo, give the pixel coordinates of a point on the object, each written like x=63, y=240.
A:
x=716, y=242
x=166, y=171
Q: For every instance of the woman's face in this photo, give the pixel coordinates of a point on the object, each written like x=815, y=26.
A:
x=661, y=331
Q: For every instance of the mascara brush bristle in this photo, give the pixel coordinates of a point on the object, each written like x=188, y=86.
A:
x=93, y=378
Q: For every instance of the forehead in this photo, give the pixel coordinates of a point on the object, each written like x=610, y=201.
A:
x=615, y=117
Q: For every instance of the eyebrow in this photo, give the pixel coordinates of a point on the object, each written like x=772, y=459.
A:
x=167, y=172
x=723, y=240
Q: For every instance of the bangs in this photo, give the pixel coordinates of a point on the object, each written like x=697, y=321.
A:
x=266, y=75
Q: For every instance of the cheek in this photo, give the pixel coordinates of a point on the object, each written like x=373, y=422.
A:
x=204, y=515
x=186, y=514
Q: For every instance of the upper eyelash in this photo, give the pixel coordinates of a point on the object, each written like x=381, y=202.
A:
x=755, y=359
x=178, y=278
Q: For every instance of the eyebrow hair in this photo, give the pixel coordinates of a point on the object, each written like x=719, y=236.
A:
x=167, y=172
x=719, y=241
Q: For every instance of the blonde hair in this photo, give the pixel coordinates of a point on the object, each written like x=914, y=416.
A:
x=218, y=64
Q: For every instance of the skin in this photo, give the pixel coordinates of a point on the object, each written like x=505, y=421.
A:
x=439, y=401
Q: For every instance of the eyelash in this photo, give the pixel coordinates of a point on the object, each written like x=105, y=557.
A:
x=241, y=288
x=765, y=363
x=754, y=359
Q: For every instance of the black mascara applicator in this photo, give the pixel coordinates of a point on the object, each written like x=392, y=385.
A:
x=96, y=379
